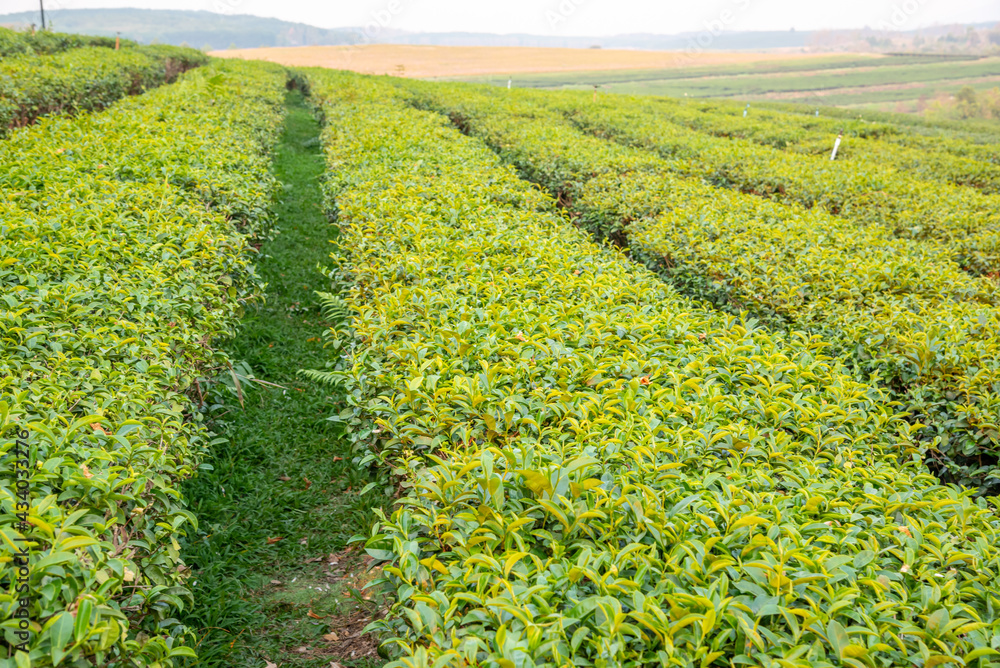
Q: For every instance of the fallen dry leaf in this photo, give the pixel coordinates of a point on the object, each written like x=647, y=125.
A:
x=284, y=478
x=314, y=615
x=269, y=664
x=307, y=481
x=334, y=664
x=338, y=459
x=272, y=541
x=331, y=636
x=276, y=582
x=302, y=650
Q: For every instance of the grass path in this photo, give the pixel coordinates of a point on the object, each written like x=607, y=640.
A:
x=280, y=470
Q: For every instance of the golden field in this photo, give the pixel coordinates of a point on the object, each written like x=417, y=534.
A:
x=462, y=61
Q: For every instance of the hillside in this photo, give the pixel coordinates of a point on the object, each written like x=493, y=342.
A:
x=210, y=30
x=199, y=29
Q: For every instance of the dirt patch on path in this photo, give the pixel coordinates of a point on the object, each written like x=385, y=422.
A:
x=330, y=608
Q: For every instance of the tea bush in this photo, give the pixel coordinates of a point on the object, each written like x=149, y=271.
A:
x=894, y=309
x=931, y=158
x=23, y=42
x=600, y=472
x=958, y=138
x=84, y=79
x=126, y=247
x=962, y=219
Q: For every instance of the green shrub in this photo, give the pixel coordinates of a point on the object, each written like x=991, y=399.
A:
x=23, y=42
x=866, y=143
x=126, y=247
x=973, y=139
x=84, y=79
x=175, y=59
x=600, y=472
x=964, y=220
x=896, y=310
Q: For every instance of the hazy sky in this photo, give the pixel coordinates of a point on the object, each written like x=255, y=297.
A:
x=577, y=17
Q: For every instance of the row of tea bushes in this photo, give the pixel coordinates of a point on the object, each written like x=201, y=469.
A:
x=791, y=125
x=600, y=472
x=927, y=158
x=25, y=43
x=985, y=148
x=724, y=118
x=964, y=220
x=931, y=165
x=176, y=59
x=894, y=309
x=84, y=79
x=965, y=138
x=900, y=316
x=126, y=248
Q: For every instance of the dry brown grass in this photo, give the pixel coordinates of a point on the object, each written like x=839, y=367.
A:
x=461, y=61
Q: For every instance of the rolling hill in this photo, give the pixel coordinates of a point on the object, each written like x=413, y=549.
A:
x=214, y=31
x=199, y=29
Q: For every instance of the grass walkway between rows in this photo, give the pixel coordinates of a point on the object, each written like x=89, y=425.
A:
x=273, y=582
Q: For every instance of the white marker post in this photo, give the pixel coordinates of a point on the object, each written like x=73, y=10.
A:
x=745, y=111
x=836, y=146
x=508, y=83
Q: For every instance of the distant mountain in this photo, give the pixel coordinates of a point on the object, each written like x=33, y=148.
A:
x=199, y=29
x=220, y=31
x=202, y=29
x=860, y=39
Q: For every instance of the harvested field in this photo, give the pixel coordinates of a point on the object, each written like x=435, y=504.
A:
x=460, y=61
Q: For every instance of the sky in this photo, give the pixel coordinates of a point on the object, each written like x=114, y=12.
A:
x=578, y=17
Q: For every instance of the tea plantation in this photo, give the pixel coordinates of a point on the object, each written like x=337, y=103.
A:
x=40, y=75
x=624, y=381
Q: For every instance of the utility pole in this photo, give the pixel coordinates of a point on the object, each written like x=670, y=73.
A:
x=41, y=4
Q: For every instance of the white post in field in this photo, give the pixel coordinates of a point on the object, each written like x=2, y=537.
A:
x=836, y=146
